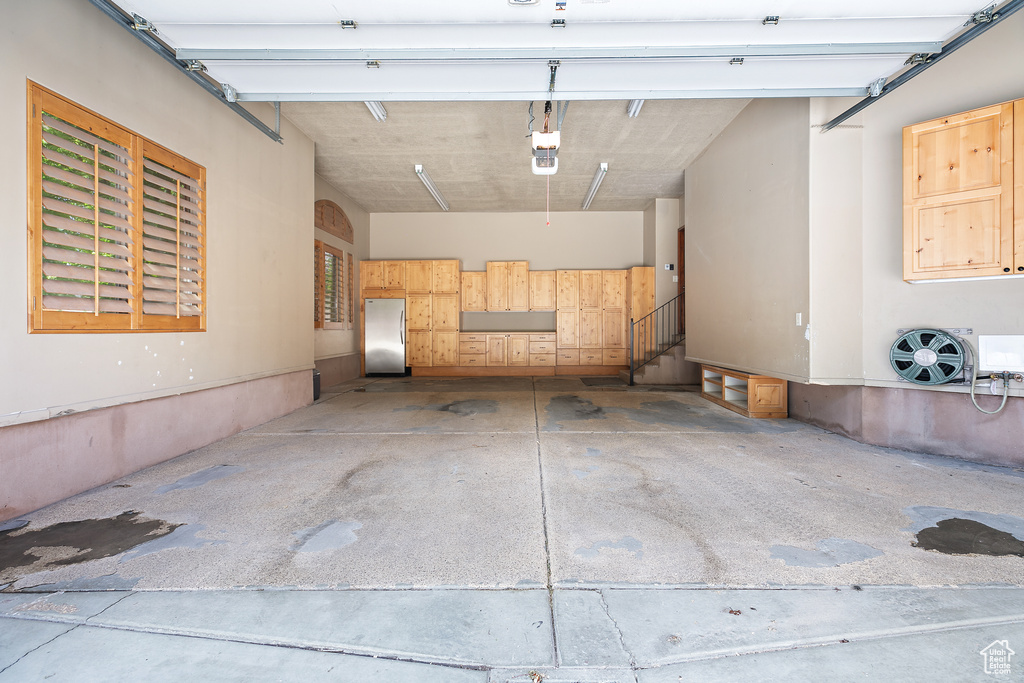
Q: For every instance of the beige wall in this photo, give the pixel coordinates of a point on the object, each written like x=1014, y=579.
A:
x=988, y=70
x=747, y=251
x=575, y=239
x=334, y=343
x=259, y=218
x=667, y=219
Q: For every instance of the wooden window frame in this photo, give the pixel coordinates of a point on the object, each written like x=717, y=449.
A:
x=320, y=252
x=53, y=320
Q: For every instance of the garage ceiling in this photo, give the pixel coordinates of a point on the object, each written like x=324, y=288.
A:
x=456, y=78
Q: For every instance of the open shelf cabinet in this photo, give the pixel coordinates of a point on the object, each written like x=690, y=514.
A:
x=749, y=395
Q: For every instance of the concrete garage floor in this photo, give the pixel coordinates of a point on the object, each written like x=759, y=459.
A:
x=521, y=529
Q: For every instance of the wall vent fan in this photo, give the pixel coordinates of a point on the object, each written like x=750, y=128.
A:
x=927, y=356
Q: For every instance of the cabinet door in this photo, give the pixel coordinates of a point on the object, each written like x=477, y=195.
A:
x=958, y=208
x=567, y=324
x=417, y=348
x=496, y=345
x=446, y=348
x=417, y=312
x=497, y=286
x=371, y=274
x=568, y=285
x=445, y=309
x=474, y=291
x=418, y=277
x=394, y=274
x=614, y=289
x=542, y=290
x=641, y=286
x=518, y=286
x=446, y=277
x=590, y=329
x=518, y=349
x=613, y=328
x=591, y=289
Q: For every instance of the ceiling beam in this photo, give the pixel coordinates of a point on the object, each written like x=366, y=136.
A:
x=541, y=95
x=546, y=53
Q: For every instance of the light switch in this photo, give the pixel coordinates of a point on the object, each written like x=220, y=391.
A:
x=675, y=278
x=799, y=319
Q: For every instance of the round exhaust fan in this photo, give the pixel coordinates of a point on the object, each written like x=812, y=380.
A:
x=927, y=356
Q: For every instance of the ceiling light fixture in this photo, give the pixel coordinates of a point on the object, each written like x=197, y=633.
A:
x=378, y=110
x=431, y=187
x=602, y=169
x=634, y=108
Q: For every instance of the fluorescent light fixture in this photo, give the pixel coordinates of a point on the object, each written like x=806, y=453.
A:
x=602, y=168
x=431, y=187
x=378, y=110
x=634, y=108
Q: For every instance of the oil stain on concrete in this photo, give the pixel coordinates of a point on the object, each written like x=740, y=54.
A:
x=627, y=543
x=197, y=479
x=465, y=408
x=570, y=408
x=331, y=535
x=830, y=552
x=957, y=536
x=68, y=543
x=966, y=532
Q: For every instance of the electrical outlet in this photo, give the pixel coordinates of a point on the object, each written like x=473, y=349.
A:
x=799, y=319
x=675, y=278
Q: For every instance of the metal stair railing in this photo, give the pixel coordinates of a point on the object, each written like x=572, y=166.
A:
x=654, y=334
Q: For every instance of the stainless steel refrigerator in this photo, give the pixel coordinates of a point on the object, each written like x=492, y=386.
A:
x=385, y=336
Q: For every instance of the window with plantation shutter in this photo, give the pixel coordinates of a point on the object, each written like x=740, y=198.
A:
x=116, y=226
x=329, y=286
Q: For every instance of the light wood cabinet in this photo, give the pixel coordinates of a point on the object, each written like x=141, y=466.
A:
x=591, y=289
x=567, y=325
x=417, y=312
x=474, y=291
x=445, y=311
x=962, y=212
x=613, y=328
x=568, y=289
x=445, y=348
x=590, y=328
x=497, y=285
x=613, y=283
x=394, y=275
x=518, y=350
x=508, y=286
x=542, y=290
x=418, y=277
x=497, y=350
x=418, y=348
x=371, y=275
x=744, y=393
x=445, y=278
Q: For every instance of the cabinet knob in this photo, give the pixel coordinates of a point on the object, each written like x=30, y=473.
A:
x=1006, y=270
x=1020, y=268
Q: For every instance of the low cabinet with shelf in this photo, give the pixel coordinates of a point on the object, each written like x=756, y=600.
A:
x=749, y=395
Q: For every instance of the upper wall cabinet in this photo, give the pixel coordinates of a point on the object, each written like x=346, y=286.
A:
x=960, y=177
x=508, y=287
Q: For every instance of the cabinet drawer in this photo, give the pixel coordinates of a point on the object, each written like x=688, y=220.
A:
x=542, y=359
x=472, y=347
x=470, y=337
x=545, y=337
x=591, y=357
x=568, y=357
x=615, y=357
x=541, y=346
x=472, y=359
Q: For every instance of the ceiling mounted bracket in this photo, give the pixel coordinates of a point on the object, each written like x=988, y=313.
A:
x=982, y=17
x=143, y=24
x=951, y=46
x=348, y=23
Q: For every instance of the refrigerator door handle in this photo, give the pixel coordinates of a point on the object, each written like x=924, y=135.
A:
x=401, y=327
